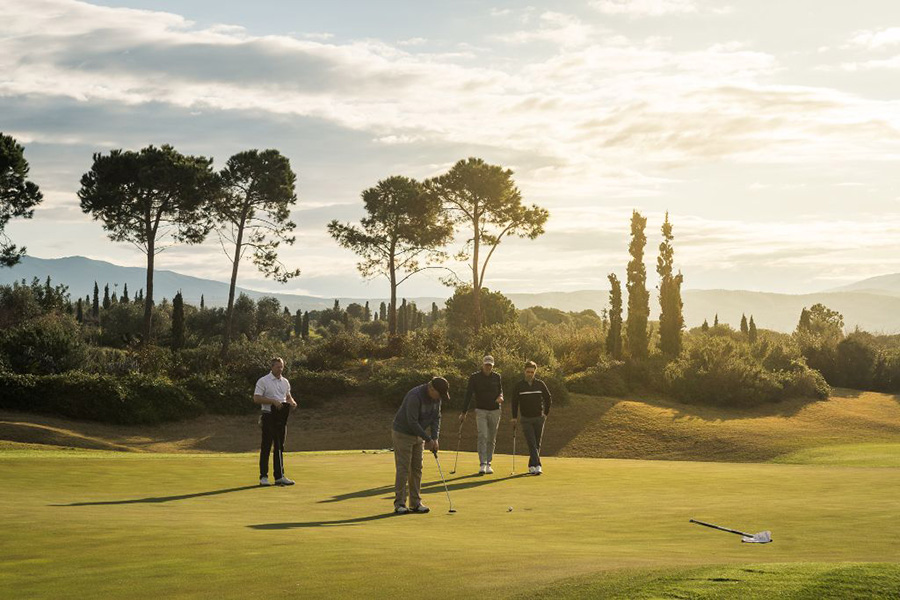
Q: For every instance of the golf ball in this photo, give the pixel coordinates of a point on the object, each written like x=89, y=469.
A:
x=509, y=509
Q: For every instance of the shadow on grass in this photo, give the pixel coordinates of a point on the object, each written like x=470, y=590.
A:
x=455, y=483
x=161, y=499
x=336, y=523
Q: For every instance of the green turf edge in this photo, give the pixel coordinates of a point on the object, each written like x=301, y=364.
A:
x=777, y=581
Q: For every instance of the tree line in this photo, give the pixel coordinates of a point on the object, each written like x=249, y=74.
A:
x=158, y=196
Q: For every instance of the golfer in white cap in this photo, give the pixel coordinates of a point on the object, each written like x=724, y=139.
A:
x=486, y=388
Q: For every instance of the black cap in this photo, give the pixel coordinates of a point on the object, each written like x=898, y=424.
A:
x=442, y=387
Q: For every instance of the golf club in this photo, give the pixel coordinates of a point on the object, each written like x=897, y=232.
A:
x=763, y=537
x=514, y=451
x=458, y=440
x=446, y=489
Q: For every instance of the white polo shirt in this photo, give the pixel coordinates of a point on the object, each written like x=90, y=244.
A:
x=272, y=388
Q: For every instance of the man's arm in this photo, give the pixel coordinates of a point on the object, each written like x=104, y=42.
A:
x=260, y=398
x=436, y=425
x=412, y=415
x=288, y=397
x=548, y=399
x=470, y=391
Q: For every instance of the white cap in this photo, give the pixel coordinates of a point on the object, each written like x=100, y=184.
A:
x=488, y=360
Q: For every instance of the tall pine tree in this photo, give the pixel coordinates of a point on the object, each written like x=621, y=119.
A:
x=636, y=338
x=671, y=318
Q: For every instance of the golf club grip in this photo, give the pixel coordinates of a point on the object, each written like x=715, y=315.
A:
x=711, y=526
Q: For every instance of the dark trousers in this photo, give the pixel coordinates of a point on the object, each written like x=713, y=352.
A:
x=274, y=431
x=533, y=428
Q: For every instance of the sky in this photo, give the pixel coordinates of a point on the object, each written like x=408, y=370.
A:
x=769, y=131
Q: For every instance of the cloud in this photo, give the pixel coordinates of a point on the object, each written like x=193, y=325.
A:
x=874, y=40
x=648, y=8
x=555, y=28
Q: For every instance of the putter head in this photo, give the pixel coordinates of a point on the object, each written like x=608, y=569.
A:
x=763, y=537
x=452, y=510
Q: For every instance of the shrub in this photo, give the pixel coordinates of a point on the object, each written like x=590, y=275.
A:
x=221, y=394
x=129, y=400
x=48, y=344
x=718, y=370
x=392, y=379
x=604, y=379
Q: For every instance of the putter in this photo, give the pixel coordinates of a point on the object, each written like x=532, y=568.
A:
x=446, y=489
x=458, y=440
x=763, y=537
x=514, y=452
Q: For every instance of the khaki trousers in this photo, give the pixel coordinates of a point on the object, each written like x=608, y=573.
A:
x=487, y=422
x=408, y=451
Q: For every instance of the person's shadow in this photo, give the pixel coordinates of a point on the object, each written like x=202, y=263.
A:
x=161, y=499
x=335, y=523
x=457, y=483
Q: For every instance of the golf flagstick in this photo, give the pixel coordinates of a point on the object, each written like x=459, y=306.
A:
x=763, y=537
x=458, y=440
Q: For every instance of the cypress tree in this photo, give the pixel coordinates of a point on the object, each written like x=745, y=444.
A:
x=95, y=305
x=705, y=327
x=106, y=301
x=202, y=302
x=124, y=297
x=744, y=328
x=382, y=312
x=716, y=321
x=367, y=314
x=434, y=313
x=177, y=321
x=752, y=334
x=671, y=318
x=402, y=325
x=805, y=323
x=614, y=337
x=79, y=311
x=305, y=332
x=636, y=338
x=298, y=323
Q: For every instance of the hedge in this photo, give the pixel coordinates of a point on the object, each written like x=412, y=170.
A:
x=129, y=400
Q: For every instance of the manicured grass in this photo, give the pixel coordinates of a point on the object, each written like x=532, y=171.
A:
x=779, y=581
x=851, y=455
x=112, y=525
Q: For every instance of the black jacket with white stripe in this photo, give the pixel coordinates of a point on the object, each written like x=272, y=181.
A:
x=534, y=398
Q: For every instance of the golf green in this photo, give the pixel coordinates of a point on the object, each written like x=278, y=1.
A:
x=79, y=524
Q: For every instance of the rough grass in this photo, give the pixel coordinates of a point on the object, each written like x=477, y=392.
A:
x=79, y=524
x=643, y=428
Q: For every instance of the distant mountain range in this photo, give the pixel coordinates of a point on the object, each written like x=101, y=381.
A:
x=872, y=304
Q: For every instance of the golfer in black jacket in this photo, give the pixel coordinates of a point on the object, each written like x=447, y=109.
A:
x=533, y=397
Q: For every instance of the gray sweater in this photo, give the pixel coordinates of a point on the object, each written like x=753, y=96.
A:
x=417, y=413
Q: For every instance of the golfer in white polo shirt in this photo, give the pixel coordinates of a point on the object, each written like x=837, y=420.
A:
x=273, y=394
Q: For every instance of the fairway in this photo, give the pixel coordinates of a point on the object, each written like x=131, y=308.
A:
x=84, y=523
